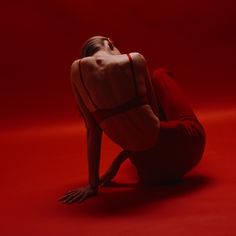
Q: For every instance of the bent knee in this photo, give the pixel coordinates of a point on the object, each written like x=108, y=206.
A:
x=160, y=72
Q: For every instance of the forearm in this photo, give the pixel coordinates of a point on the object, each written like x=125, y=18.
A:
x=114, y=168
x=122, y=156
x=94, y=136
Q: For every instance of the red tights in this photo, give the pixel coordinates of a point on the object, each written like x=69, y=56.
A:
x=182, y=138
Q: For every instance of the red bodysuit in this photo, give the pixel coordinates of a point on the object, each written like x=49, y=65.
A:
x=178, y=141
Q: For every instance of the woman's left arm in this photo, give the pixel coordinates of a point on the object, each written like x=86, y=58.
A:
x=94, y=138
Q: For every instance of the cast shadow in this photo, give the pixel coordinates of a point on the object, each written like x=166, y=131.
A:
x=121, y=198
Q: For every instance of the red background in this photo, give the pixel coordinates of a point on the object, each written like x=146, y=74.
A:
x=40, y=39
x=42, y=139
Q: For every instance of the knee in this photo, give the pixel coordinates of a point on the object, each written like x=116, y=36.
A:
x=160, y=72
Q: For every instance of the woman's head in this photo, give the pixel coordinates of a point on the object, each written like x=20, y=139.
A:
x=96, y=43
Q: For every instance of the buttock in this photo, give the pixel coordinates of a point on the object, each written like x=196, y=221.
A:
x=178, y=149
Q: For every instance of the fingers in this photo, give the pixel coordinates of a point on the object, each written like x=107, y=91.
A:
x=77, y=196
x=66, y=195
x=73, y=198
x=73, y=190
x=70, y=198
x=82, y=198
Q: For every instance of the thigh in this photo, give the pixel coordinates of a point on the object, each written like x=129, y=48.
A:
x=170, y=98
x=175, y=153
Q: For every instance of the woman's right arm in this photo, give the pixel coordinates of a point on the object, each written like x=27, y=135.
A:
x=94, y=132
x=94, y=137
x=142, y=68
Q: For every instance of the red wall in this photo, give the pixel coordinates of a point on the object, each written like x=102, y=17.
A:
x=40, y=39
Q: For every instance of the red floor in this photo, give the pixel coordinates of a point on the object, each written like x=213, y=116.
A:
x=40, y=163
x=43, y=149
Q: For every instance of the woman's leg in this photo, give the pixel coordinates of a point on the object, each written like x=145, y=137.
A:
x=180, y=146
x=171, y=100
x=182, y=136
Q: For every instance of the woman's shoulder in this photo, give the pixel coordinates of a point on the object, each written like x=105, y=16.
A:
x=139, y=61
x=114, y=61
x=137, y=56
x=123, y=59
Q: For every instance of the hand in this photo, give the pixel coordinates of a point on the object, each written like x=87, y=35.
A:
x=110, y=174
x=78, y=195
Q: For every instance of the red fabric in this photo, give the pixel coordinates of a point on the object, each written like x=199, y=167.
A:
x=40, y=163
x=43, y=143
x=181, y=142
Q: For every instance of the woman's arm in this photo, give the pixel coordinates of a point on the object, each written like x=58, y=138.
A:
x=114, y=167
x=94, y=137
x=142, y=68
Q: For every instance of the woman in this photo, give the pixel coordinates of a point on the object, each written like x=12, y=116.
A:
x=147, y=116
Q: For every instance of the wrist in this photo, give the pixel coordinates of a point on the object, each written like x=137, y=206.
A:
x=94, y=188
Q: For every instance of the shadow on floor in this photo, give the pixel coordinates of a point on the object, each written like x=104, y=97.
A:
x=121, y=198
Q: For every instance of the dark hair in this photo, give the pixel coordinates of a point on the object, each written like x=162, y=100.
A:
x=94, y=44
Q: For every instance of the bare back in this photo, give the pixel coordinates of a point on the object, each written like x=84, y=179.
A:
x=107, y=82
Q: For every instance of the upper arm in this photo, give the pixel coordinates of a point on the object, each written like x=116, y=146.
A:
x=141, y=64
x=87, y=116
x=142, y=68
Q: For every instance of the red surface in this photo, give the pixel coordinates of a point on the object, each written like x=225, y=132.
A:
x=43, y=151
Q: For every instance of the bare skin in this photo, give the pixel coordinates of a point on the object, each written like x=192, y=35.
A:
x=94, y=136
x=80, y=194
